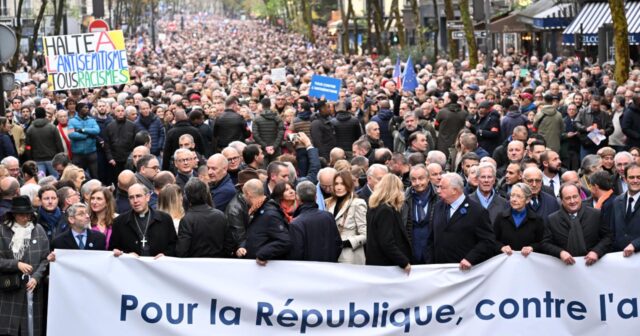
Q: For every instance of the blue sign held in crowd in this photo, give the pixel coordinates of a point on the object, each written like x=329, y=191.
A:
x=326, y=87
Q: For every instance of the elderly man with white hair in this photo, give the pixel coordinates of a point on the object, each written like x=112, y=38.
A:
x=542, y=203
x=461, y=230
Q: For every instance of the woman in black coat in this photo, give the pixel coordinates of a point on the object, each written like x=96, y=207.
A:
x=518, y=229
x=203, y=231
x=387, y=240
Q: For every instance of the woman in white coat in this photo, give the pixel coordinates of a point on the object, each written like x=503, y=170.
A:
x=350, y=213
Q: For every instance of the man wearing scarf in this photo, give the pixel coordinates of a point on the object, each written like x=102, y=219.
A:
x=602, y=195
x=575, y=230
x=417, y=213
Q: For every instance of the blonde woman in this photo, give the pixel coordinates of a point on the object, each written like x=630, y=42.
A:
x=74, y=174
x=387, y=240
x=170, y=201
x=350, y=213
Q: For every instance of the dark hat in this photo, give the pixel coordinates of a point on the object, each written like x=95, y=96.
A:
x=21, y=205
x=245, y=175
x=473, y=87
x=485, y=104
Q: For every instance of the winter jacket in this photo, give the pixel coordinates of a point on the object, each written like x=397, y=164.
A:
x=511, y=121
x=222, y=192
x=160, y=234
x=203, y=233
x=237, y=213
x=323, y=135
x=487, y=130
x=550, y=125
x=206, y=132
x=526, y=109
x=586, y=118
x=302, y=123
x=314, y=235
x=449, y=121
x=156, y=131
x=83, y=139
x=631, y=125
x=382, y=118
x=170, y=146
x=268, y=234
x=229, y=127
x=347, y=128
x=43, y=140
x=119, y=139
x=268, y=130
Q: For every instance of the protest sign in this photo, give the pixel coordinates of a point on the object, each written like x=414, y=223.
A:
x=86, y=60
x=506, y=295
x=278, y=75
x=327, y=87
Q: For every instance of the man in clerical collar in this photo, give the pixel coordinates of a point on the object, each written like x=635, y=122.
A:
x=143, y=231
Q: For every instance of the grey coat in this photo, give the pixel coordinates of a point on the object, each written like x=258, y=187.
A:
x=496, y=207
x=13, y=305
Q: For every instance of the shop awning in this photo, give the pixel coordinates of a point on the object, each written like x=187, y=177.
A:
x=594, y=15
x=556, y=17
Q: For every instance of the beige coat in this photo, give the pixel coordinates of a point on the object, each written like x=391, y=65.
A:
x=352, y=225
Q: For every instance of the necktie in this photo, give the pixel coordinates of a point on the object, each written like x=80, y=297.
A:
x=80, y=242
x=630, y=208
x=535, y=203
x=448, y=212
x=552, y=184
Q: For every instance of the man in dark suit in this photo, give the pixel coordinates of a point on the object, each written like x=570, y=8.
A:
x=575, y=230
x=602, y=195
x=461, y=231
x=542, y=203
x=374, y=175
x=314, y=233
x=625, y=221
x=77, y=236
x=142, y=230
x=621, y=161
x=486, y=195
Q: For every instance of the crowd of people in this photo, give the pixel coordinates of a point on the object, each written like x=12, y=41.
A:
x=204, y=155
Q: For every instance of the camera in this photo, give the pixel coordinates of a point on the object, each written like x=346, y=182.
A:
x=293, y=137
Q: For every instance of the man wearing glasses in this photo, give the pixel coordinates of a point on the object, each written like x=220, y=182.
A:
x=542, y=203
x=183, y=160
x=147, y=167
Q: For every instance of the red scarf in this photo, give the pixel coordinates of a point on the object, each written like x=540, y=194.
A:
x=67, y=142
x=288, y=210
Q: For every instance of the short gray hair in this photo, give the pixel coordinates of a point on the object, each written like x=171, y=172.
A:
x=436, y=156
x=377, y=166
x=455, y=180
x=130, y=109
x=489, y=165
x=306, y=192
x=621, y=154
x=89, y=186
x=180, y=151
x=526, y=190
x=73, y=209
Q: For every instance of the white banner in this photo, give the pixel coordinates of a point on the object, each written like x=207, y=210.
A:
x=98, y=294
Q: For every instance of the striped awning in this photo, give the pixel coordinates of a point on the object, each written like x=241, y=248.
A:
x=556, y=17
x=594, y=15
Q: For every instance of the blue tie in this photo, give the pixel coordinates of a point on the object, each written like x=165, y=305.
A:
x=448, y=212
x=80, y=241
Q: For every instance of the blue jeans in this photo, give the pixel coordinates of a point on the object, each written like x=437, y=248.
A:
x=47, y=168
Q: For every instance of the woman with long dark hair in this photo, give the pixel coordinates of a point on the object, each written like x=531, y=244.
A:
x=284, y=193
x=102, y=210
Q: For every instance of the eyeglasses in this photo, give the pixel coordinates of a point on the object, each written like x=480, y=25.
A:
x=154, y=167
x=233, y=159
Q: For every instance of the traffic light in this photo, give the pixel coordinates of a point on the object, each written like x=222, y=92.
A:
x=394, y=38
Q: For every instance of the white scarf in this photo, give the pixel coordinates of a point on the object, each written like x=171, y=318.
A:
x=20, y=239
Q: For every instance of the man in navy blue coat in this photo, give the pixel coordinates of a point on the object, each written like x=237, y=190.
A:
x=268, y=232
x=625, y=222
x=461, y=231
x=222, y=189
x=78, y=236
x=542, y=203
x=314, y=233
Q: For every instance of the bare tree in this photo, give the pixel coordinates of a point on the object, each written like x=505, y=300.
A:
x=468, y=33
x=36, y=28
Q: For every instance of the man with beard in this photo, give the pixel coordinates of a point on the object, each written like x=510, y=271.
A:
x=253, y=157
x=551, y=171
x=152, y=124
x=119, y=138
x=83, y=131
x=235, y=161
x=411, y=125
